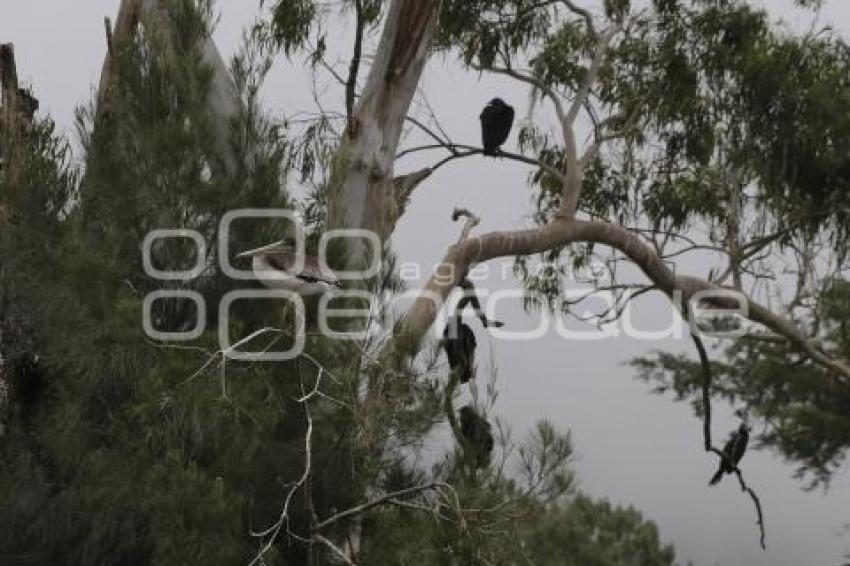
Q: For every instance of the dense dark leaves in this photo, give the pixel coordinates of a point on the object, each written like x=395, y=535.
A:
x=483, y=29
x=797, y=96
x=292, y=21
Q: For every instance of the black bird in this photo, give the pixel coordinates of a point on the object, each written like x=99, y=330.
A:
x=459, y=343
x=497, y=118
x=734, y=450
x=476, y=431
x=470, y=298
x=25, y=380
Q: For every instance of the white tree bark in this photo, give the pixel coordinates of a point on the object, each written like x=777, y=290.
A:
x=462, y=257
x=362, y=188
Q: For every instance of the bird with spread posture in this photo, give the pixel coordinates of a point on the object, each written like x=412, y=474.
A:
x=470, y=298
x=734, y=450
x=497, y=119
x=277, y=266
x=477, y=433
x=459, y=343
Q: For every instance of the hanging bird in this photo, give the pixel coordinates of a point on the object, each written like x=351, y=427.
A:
x=476, y=431
x=470, y=298
x=497, y=118
x=275, y=267
x=734, y=450
x=459, y=343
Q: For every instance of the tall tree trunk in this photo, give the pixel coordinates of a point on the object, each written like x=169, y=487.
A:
x=362, y=189
x=13, y=117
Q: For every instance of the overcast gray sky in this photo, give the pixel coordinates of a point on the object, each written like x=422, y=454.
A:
x=632, y=447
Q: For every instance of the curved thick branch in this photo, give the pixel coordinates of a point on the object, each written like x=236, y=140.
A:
x=462, y=257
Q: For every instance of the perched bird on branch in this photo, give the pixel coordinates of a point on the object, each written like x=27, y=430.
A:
x=476, y=432
x=459, y=343
x=497, y=118
x=734, y=450
x=278, y=266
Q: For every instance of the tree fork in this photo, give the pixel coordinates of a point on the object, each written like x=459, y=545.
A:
x=362, y=188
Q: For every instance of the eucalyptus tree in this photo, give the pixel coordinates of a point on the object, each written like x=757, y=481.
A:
x=692, y=124
x=712, y=134
x=708, y=132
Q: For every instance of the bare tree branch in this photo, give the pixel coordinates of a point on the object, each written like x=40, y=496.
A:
x=575, y=172
x=383, y=500
x=334, y=549
x=460, y=151
x=560, y=232
x=272, y=532
x=706, y=432
x=442, y=142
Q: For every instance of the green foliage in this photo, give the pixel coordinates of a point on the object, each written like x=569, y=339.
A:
x=715, y=103
x=292, y=21
x=508, y=528
x=594, y=533
x=125, y=460
x=797, y=110
x=480, y=29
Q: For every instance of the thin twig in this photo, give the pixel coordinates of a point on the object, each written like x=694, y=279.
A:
x=335, y=549
x=469, y=150
x=383, y=500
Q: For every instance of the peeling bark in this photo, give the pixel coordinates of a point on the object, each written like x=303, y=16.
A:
x=363, y=188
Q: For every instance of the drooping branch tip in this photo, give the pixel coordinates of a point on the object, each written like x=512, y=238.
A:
x=465, y=213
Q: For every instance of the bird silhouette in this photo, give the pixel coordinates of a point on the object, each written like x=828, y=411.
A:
x=497, y=118
x=734, y=450
x=476, y=431
x=459, y=343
